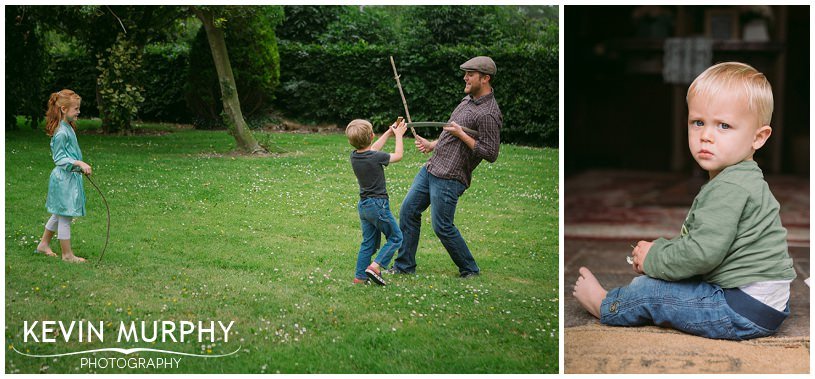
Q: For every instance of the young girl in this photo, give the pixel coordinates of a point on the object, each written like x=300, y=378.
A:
x=66, y=193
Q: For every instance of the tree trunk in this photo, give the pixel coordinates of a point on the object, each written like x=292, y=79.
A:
x=229, y=92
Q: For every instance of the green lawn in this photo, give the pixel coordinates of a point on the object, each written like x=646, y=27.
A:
x=271, y=243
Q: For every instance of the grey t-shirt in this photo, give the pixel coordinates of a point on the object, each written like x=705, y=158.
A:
x=369, y=169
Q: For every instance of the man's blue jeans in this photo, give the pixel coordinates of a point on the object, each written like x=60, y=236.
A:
x=376, y=219
x=694, y=307
x=442, y=196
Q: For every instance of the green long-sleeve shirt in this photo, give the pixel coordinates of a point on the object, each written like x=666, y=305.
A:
x=732, y=235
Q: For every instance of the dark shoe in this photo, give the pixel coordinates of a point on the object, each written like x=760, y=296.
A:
x=361, y=281
x=373, y=274
x=468, y=274
x=395, y=271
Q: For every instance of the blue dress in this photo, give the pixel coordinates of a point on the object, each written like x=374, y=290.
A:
x=66, y=191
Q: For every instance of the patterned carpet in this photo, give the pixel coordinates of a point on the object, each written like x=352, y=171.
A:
x=640, y=205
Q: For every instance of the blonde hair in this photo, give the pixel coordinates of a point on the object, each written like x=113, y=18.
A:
x=736, y=76
x=359, y=133
x=54, y=114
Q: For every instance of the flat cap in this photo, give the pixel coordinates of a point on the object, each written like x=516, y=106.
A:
x=481, y=64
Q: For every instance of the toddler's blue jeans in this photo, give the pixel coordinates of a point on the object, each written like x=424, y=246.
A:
x=376, y=219
x=694, y=307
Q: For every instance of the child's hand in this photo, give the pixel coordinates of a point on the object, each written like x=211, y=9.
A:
x=639, y=253
x=400, y=129
x=389, y=131
x=86, y=168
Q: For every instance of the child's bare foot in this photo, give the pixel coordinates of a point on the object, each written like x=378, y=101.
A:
x=589, y=292
x=45, y=249
x=72, y=258
x=68, y=253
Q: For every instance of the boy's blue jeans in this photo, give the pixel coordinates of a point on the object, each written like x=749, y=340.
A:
x=694, y=307
x=442, y=196
x=376, y=219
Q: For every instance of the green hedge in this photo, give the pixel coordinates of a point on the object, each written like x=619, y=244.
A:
x=75, y=71
x=25, y=59
x=165, y=70
x=163, y=75
x=337, y=83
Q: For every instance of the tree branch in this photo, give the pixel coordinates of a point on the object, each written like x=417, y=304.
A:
x=117, y=18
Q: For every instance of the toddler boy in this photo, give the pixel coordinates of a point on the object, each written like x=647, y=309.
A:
x=728, y=274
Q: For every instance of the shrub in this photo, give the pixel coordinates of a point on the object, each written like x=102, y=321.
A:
x=118, y=89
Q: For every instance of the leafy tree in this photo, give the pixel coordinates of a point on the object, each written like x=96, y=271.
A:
x=255, y=62
x=477, y=25
x=448, y=24
x=306, y=23
x=528, y=24
x=354, y=24
x=215, y=20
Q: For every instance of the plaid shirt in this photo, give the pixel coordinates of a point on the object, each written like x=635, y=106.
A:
x=452, y=158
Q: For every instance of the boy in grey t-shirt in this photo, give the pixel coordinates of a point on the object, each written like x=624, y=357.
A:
x=375, y=215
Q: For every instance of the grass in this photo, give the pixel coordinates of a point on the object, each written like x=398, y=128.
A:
x=270, y=243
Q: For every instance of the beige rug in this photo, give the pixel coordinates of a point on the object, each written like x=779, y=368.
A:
x=599, y=349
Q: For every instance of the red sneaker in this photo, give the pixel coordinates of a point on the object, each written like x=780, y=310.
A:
x=374, y=275
x=361, y=281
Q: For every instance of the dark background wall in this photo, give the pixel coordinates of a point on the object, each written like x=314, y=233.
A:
x=620, y=114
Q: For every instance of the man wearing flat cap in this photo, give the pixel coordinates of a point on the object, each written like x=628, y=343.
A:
x=448, y=172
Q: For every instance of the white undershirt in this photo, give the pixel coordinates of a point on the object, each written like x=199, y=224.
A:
x=774, y=293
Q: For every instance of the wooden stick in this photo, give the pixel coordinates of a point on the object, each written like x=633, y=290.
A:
x=404, y=102
x=428, y=124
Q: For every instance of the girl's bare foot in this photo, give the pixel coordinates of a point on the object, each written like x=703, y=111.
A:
x=589, y=292
x=68, y=253
x=45, y=249
x=72, y=258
